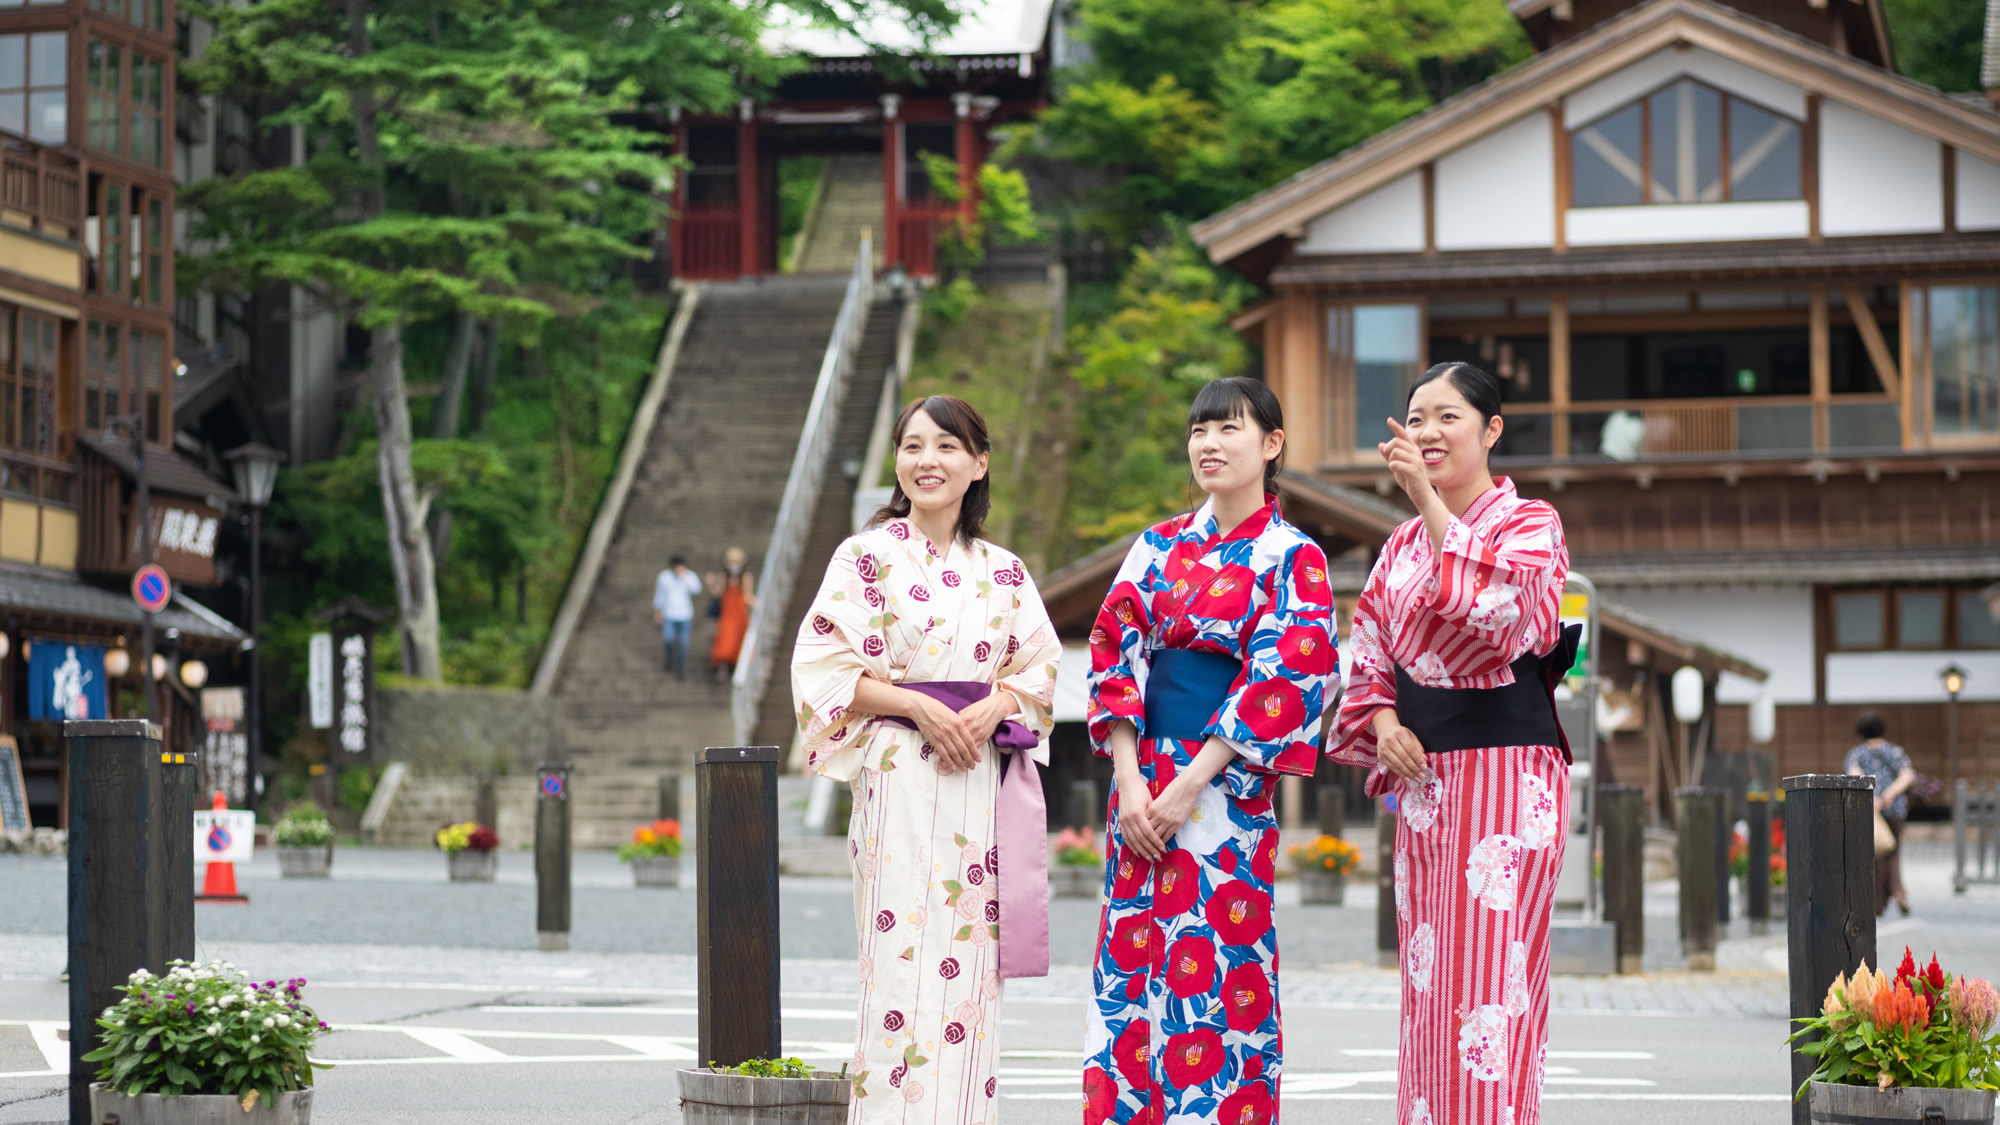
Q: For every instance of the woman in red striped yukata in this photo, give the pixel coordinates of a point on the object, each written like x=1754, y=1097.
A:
x=1454, y=651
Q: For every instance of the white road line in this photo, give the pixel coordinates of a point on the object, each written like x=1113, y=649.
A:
x=55, y=1051
x=453, y=1044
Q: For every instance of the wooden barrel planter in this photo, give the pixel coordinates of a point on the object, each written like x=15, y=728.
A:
x=1074, y=881
x=468, y=865
x=306, y=863
x=656, y=871
x=709, y=1098
x=1320, y=887
x=106, y=1104
x=1834, y=1104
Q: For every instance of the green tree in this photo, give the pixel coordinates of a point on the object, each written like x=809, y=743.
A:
x=1937, y=42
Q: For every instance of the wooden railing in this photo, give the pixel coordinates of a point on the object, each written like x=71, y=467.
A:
x=44, y=185
x=1689, y=428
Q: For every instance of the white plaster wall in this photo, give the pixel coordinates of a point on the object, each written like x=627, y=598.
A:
x=1908, y=677
x=1386, y=220
x=1500, y=190
x=1978, y=192
x=1771, y=626
x=1694, y=222
x=1876, y=178
x=1658, y=69
x=1072, y=703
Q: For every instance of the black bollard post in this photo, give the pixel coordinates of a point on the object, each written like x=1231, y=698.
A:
x=1725, y=833
x=552, y=856
x=670, y=796
x=1697, y=810
x=1621, y=809
x=1385, y=887
x=736, y=904
x=1332, y=811
x=1757, y=879
x=1830, y=892
x=123, y=915
x=1085, y=810
x=485, y=802
x=174, y=829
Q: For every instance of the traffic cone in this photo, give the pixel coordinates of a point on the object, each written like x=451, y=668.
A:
x=218, y=882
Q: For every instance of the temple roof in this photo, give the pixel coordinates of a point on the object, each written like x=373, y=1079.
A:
x=985, y=28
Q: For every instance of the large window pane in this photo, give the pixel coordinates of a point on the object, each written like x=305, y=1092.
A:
x=1687, y=144
x=1965, y=359
x=1857, y=620
x=1388, y=357
x=1920, y=619
x=1605, y=161
x=1976, y=627
x=1763, y=154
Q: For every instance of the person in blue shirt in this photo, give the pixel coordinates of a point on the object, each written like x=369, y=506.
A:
x=1888, y=766
x=673, y=610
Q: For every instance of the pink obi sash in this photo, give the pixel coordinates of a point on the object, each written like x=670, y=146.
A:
x=1021, y=823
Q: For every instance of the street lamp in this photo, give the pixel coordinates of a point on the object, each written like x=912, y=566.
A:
x=1953, y=678
x=256, y=469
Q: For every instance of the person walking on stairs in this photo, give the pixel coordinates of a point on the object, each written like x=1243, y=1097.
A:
x=673, y=611
x=734, y=591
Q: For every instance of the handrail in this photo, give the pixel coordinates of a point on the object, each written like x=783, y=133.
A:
x=869, y=491
x=763, y=641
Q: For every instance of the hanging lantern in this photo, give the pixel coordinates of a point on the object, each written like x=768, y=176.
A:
x=194, y=673
x=1687, y=692
x=117, y=662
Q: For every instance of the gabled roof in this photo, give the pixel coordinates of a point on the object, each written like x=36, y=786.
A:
x=1285, y=209
x=985, y=27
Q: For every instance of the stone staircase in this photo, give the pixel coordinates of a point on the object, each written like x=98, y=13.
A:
x=850, y=198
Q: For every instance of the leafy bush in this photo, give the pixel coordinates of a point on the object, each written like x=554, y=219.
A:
x=775, y=1068
x=207, y=1029
x=356, y=787
x=1922, y=1028
x=304, y=825
x=1078, y=848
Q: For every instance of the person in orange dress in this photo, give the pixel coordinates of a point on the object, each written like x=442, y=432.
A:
x=736, y=589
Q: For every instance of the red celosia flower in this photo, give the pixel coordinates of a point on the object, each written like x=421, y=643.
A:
x=1908, y=968
x=1934, y=976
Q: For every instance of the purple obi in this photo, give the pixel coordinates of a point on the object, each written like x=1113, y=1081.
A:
x=1021, y=823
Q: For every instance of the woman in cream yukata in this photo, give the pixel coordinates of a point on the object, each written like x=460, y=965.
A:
x=919, y=598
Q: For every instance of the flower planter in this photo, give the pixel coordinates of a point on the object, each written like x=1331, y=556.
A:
x=293, y=1108
x=1075, y=881
x=709, y=1098
x=306, y=863
x=656, y=871
x=470, y=866
x=1320, y=887
x=1866, y=1105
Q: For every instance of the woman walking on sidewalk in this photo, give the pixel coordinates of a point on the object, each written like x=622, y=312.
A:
x=1210, y=663
x=1889, y=766
x=1453, y=654
x=924, y=665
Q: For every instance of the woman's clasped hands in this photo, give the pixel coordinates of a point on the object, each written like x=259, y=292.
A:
x=956, y=737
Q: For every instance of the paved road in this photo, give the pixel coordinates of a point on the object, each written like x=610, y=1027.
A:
x=446, y=1014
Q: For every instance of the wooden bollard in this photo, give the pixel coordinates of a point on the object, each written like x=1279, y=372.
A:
x=552, y=845
x=736, y=904
x=1385, y=886
x=486, y=801
x=1697, y=810
x=127, y=908
x=1725, y=833
x=1621, y=809
x=1830, y=893
x=1085, y=811
x=1332, y=811
x=670, y=796
x=1757, y=878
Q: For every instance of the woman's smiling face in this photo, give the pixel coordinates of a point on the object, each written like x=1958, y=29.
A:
x=934, y=466
x=1229, y=453
x=1449, y=433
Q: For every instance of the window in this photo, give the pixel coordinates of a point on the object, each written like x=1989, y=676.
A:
x=34, y=101
x=126, y=100
x=1377, y=352
x=711, y=177
x=1956, y=337
x=30, y=372
x=126, y=238
x=149, y=14
x=918, y=140
x=103, y=375
x=1685, y=143
x=1917, y=619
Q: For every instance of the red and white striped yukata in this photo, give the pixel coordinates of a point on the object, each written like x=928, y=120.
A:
x=1480, y=837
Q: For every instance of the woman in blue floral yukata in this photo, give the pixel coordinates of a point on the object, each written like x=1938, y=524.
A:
x=1210, y=665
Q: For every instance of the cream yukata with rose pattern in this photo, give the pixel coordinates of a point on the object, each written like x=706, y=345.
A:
x=926, y=905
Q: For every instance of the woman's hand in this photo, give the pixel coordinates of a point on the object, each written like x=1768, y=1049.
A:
x=1406, y=464
x=1397, y=746
x=953, y=739
x=984, y=717
x=1135, y=818
x=1171, y=809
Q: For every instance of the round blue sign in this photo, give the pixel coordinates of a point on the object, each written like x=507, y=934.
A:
x=151, y=589
x=218, y=838
x=552, y=785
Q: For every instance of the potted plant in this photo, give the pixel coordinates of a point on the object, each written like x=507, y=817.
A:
x=305, y=842
x=205, y=1043
x=655, y=854
x=1078, y=871
x=1916, y=1046
x=468, y=851
x=1323, y=867
x=763, y=1090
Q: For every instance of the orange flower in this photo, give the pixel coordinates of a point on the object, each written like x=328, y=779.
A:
x=1901, y=1008
x=666, y=829
x=1833, y=1007
x=1860, y=992
x=642, y=835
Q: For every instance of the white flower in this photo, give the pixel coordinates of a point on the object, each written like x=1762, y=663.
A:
x=215, y=1029
x=256, y=1038
x=139, y=975
x=286, y=1021
x=269, y=1022
x=228, y=999
x=109, y=1012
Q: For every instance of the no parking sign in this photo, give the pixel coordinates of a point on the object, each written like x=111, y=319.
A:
x=224, y=835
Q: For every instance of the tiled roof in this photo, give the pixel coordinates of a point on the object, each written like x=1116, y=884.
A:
x=59, y=595
x=165, y=470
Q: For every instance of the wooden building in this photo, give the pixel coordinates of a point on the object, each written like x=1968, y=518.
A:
x=1741, y=282
x=87, y=148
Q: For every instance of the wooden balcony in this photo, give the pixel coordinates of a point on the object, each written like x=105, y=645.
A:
x=40, y=188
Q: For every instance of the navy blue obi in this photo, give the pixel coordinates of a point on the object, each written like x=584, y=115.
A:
x=1184, y=690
